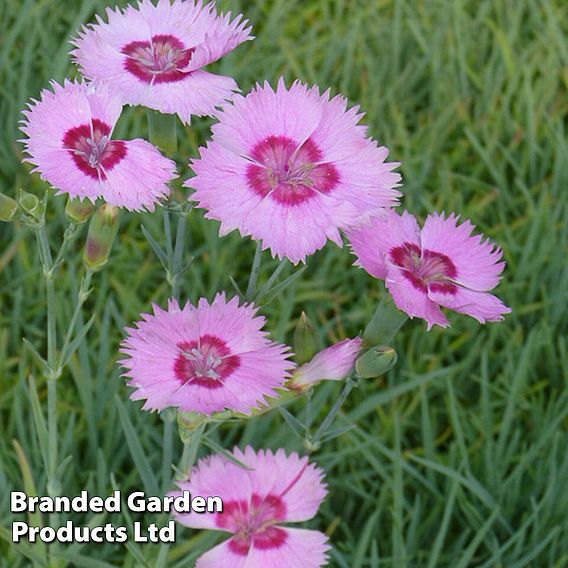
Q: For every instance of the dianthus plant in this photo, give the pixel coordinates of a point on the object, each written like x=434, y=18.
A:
x=288, y=165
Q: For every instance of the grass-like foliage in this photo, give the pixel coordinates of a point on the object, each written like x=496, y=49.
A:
x=460, y=453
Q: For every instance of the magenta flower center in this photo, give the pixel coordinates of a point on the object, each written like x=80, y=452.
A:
x=427, y=270
x=206, y=362
x=289, y=173
x=159, y=60
x=252, y=524
x=92, y=150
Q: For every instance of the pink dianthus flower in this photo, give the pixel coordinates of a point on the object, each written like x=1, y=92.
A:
x=440, y=265
x=204, y=359
x=276, y=489
x=153, y=54
x=291, y=168
x=70, y=142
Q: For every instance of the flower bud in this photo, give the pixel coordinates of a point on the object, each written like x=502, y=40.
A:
x=100, y=238
x=79, y=210
x=376, y=362
x=332, y=364
x=304, y=341
x=188, y=423
x=8, y=207
x=32, y=207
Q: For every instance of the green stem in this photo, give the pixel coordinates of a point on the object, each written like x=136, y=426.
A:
x=162, y=130
x=177, y=261
x=68, y=236
x=82, y=296
x=168, y=232
x=50, y=267
x=169, y=418
x=190, y=449
x=53, y=488
x=51, y=323
x=255, y=270
x=53, y=485
x=324, y=427
x=47, y=265
x=52, y=446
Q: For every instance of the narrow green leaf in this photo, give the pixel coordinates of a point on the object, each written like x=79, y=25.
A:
x=337, y=432
x=277, y=290
x=39, y=422
x=81, y=561
x=41, y=362
x=295, y=425
x=140, y=460
x=72, y=347
x=23, y=548
x=369, y=530
x=34, y=518
x=479, y=537
x=267, y=286
x=219, y=449
x=434, y=559
x=235, y=286
x=158, y=251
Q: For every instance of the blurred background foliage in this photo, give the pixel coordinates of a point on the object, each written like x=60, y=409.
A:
x=460, y=455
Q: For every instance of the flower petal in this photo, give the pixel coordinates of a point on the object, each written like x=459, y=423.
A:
x=482, y=306
x=371, y=242
x=141, y=179
x=222, y=555
x=412, y=300
x=478, y=262
x=301, y=548
x=197, y=94
x=292, y=478
x=264, y=112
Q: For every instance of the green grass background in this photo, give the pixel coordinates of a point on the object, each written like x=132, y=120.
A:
x=460, y=457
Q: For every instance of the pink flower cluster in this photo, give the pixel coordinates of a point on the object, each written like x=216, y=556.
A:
x=290, y=167
x=151, y=55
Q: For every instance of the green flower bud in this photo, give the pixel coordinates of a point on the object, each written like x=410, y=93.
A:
x=304, y=341
x=8, y=207
x=376, y=362
x=79, y=210
x=188, y=423
x=32, y=207
x=100, y=238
